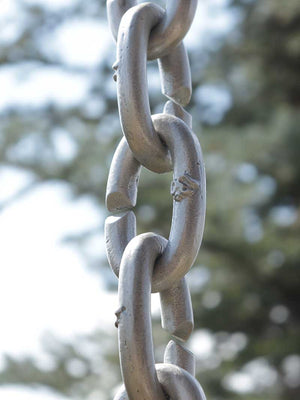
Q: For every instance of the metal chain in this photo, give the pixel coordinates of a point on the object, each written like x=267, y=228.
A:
x=148, y=262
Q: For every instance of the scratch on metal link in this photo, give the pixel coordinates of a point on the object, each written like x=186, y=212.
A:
x=183, y=187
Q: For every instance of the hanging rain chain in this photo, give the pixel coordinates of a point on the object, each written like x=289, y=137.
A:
x=163, y=142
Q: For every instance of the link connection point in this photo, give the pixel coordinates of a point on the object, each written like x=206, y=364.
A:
x=148, y=262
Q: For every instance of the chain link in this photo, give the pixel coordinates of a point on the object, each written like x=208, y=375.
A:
x=148, y=262
x=171, y=28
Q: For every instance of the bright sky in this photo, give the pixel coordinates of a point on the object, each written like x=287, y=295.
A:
x=44, y=285
x=45, y=282
x=25, y=393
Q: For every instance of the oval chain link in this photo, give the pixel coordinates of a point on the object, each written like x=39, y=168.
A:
x=149, y=263
x=187, y=189
x=131, y=75
x=168, y=32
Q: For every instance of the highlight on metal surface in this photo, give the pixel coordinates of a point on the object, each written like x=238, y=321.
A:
x=149, y=262
x=131, y=71
x=134, y=327
x=173, y=25
x=188, y=190
x=135, y=115
x=176, y=383
x=176, y=311
x=176, y=354
x=175, y=75
x=123, y=165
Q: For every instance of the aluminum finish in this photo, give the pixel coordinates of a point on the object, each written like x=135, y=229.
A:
x=175, y=75
x=124, y=173
x=176, y=354
x=131, y=72
x=119, y=230
x=176, y=311
x=135, y=329
x=170, y=29
x=174, y=65
x=177, y=383
x=134, y=317
x=179, y=112
x=132, y=84
x=148, y=262
x=189, y=193
x=176, y=307
x=121, y=193
x=173, y=28
x=115, y=11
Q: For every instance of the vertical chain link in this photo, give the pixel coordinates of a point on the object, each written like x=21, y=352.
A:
x=148, y=262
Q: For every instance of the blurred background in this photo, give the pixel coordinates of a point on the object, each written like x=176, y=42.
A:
x=58, y=130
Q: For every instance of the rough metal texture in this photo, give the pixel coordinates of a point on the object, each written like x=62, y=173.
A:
x=169, y=31
x=188, y=188
x=176, y=311
x=176, y=354
x=163, y=142
x=123, y=179
x=131, y=76
x=134, y=325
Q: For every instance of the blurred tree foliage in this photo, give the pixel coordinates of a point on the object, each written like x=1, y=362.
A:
x=245, y=283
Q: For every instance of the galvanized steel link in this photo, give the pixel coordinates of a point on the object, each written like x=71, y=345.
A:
x=165, y=43
x=177, y=383
x=174, y=65
x=144, y=380
x=177, y=315
x=148, y=262
x=188, y=190
x=134, y=317
x=170, y=29
x=131, y=66
x=131, y=72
